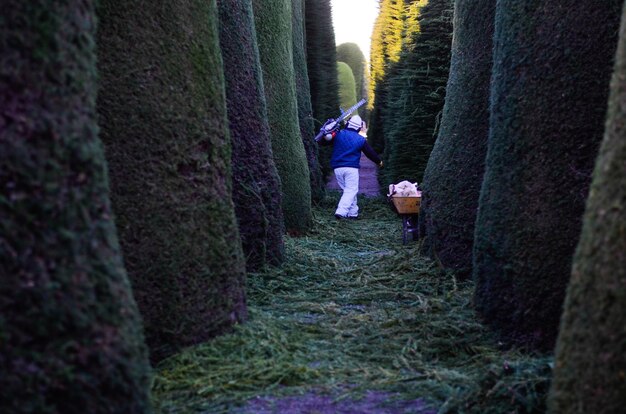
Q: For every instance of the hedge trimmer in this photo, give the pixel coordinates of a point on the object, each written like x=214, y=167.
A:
x=333, y=125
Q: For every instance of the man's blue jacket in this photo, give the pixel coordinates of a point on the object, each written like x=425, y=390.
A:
x=347, y=147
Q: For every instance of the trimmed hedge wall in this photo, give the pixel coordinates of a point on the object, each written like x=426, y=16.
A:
x=351, y=54
x=590, y=364
x=163, y=118
x=385, y=53
x=455, y=168
x=273, y=20
x=347, y=85
x=415, y=94
x=552, y=64
x=321, y=55
x=70, y=331
x=257, y=189
x=305, y=108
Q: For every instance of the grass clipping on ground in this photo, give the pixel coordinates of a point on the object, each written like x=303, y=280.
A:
x=351, y=310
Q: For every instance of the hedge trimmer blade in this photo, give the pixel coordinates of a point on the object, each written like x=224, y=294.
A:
x=345, y=114
x=334, y=124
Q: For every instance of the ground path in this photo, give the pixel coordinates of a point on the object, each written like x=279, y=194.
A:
x=353, y=323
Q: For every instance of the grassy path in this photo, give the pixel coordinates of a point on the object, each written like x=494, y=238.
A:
x=351, y=320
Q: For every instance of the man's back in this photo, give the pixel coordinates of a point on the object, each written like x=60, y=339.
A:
x=347, y=146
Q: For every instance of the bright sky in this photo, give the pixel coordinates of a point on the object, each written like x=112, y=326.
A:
x=353, y=21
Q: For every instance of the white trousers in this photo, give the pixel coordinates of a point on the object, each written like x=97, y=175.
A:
x=348, y=180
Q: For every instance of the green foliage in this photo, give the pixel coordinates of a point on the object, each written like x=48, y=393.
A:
x=70, y=331
x=351, y=54
x=257, y=192
x=387, y=43
x=550, y=83
x=455, y=168
x=321, y=57
x=163, y=119
x=415, y=95
x=347, y=85
x=273, y=19
x=353, y=310
x=590, y=366
x=305, y=109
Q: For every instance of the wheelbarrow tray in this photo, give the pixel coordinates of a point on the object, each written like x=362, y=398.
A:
x=406, y=205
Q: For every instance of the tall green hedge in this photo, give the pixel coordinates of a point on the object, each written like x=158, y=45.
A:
x=590, y=367
x=305, y=108
x=351, y=54
x=415, y=95
x=321, y=57
x=70, y=331
x=347, y=85
x=257, y=188
x=163, y=118
x=454, y=172
x=550, y=83
x=273, y=20
x=385, y=53
x=386, y=45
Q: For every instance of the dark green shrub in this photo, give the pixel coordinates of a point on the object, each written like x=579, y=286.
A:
x=257, y=192
x=455, y=168
x=305, y=109
x=550, y=83
x=70, y=331
x=321, y=55
x=589, y=374
x=164, y=126
x=273, y=20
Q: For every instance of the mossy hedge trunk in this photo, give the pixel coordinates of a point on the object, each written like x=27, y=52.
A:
x=163, y=118
x=590, y=367
x=305, y=108
x=257, y=188
x=70, y=333
x=455, y=168
x=552, y=64
x=273, y=28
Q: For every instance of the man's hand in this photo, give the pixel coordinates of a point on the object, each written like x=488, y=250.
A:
x=330, y=125
x=380, y=164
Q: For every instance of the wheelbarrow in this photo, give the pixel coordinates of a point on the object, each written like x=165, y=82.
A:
x=408, y=209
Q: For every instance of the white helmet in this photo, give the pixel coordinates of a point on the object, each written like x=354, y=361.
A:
x=355, y=123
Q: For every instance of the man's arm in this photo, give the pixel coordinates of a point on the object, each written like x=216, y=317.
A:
x=371, y=154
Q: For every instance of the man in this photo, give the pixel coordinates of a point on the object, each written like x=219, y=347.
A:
x=345, y=161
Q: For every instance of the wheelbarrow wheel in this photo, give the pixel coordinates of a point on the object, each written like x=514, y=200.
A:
x=409, y=226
